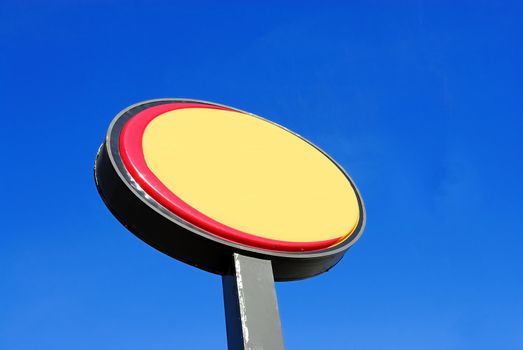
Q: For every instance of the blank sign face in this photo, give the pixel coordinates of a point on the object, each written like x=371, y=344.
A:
x=239, y=177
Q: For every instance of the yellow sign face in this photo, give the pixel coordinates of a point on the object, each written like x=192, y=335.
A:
x=251, y=175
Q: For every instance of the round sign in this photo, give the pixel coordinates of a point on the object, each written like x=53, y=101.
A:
x=200, y=181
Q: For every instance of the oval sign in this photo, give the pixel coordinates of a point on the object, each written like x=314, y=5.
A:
x=195, y=179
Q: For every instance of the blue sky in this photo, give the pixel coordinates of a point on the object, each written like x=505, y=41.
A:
x=420, y=102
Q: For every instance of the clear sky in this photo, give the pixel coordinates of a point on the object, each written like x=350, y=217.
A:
x=422, y=103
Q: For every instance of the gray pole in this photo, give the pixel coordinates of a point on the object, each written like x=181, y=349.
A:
x=251, y=308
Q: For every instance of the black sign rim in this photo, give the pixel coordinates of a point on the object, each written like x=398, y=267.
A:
x=114, y=183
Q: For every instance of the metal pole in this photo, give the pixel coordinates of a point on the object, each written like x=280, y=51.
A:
x=251, y=308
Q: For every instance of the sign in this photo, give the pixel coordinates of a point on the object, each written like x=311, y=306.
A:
x=201, y=182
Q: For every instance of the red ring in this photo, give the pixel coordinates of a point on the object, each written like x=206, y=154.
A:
x=131, y=151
